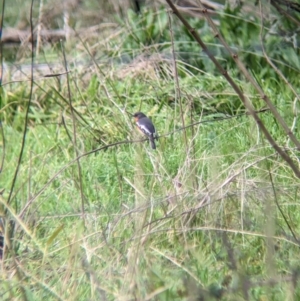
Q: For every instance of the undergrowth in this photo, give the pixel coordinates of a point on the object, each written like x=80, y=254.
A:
x=96, y=214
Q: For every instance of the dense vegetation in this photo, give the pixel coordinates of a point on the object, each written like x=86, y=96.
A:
x=90, y=212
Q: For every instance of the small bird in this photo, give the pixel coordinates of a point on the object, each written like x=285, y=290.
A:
x=146, y=126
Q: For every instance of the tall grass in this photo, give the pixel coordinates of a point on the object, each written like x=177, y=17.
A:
x=96, y=214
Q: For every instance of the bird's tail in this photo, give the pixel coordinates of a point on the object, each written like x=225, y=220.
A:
x=152, y=142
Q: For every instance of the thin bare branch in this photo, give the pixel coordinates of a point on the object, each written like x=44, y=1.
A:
x=239, y=92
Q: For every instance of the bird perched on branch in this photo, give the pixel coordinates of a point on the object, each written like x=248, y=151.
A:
x=146, y=126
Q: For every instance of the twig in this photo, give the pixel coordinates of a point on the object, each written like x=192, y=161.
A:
x=27, y=111
x=254, y=83
x=270, y=61
x=1, y=76
x=74, y=140
x=239, y=92
x=177, y=86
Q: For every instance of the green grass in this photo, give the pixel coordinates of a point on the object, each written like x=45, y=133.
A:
x=114, y=224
